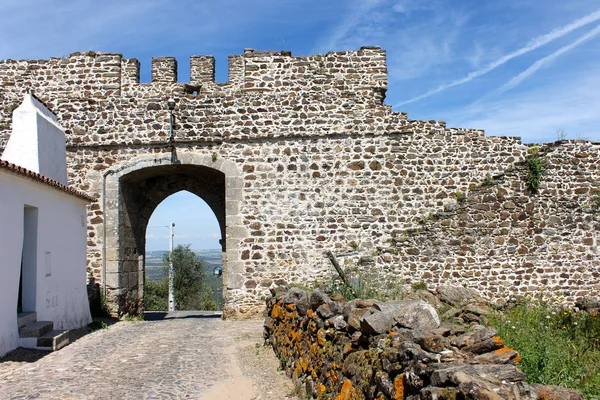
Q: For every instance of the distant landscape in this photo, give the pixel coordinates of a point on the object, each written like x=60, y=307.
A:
x=154, y=262
x=212, y=258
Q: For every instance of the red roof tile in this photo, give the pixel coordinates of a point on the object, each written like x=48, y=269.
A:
x=44, y=179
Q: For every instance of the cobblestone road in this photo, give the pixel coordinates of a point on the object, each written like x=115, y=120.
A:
x=185, y=358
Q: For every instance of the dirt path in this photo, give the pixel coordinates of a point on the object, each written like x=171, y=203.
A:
x=193, y=358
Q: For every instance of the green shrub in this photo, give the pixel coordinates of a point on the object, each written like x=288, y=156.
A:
x=557, y=347
x=156, y=294
x=534, y=172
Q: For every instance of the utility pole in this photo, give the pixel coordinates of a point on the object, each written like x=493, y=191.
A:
x=171, y=271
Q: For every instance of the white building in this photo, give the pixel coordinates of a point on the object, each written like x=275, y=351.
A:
x=42, y=230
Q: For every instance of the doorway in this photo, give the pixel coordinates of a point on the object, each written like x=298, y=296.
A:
x=28, y=276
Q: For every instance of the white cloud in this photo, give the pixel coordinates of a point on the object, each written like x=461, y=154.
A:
x=358, y=25
x=536, y=115
x=410, y=6
x=532, y=45
x=546, y=60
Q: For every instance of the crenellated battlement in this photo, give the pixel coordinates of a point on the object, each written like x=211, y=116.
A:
x=363, y=72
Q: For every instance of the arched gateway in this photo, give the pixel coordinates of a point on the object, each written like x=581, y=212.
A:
x=298, y=156
x=131, y=193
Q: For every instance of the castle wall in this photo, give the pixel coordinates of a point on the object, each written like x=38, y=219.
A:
x=508, y=242
x=325, y=164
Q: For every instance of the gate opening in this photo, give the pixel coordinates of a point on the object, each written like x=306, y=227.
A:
x=197, y=257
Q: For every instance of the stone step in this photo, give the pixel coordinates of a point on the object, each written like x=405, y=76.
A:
x=36, y=329
x=26, y=318
x=53, y=340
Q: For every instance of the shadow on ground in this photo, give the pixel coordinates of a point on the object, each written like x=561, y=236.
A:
x=161, y=315
x=23, y=355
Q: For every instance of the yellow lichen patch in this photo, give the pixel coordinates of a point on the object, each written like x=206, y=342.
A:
x=311, y=314
x=399, y=386
x=320, y=390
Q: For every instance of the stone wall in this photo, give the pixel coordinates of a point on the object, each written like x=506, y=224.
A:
x=505, y=240
x=365, y=349
x=316, y=160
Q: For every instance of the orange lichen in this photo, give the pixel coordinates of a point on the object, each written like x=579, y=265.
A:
x=497, y=339
x=320, y=390
x=348, y=392
x=276, y=311
x=507, y=352
x=321, y=338
x=291, y=307
x=399, y=386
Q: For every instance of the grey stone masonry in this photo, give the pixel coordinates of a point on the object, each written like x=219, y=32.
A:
x=297, y=156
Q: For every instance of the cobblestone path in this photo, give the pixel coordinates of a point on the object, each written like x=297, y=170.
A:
x=185, y=358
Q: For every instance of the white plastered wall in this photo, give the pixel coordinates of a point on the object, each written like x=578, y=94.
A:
x=60, y=290
x=37, y=142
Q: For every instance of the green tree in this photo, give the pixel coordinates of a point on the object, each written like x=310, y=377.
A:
x=156, y=294
x=190, y=284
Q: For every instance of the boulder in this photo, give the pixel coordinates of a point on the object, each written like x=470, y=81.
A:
x=418, y=315
x=299, y=298
x=376, y=321
x=589, y=304
x=412, y=314
x=459, y=296
x=316, y=298
x=425, y=295
x=548, y=392
x=475, y=336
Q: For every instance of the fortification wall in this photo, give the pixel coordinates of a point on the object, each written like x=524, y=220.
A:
x=325, y=164
x=506, y=241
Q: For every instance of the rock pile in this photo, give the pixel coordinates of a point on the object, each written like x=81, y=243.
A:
x=365, y=349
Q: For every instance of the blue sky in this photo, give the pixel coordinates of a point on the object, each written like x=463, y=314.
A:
x=513, y=67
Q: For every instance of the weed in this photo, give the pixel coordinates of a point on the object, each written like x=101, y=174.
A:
x=306, y=288
x=422, y=285
x=353, y=245
x=95, y=325
x=215, y=157
x=557, y=346
x=281, y=363
x=534, y=172
x=129, y=317
x=367, y=284
x=460, y=197
x=595, y=200
x=488, y=180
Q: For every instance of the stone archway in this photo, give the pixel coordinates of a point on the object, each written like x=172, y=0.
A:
x=131, y=193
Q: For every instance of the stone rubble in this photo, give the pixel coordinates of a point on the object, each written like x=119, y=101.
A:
x=365, y=349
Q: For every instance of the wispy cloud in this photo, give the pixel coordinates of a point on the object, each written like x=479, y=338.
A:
x=410, y=6
x=534, y=44
x=537, y=114
x=546, y=60
x=356, y=25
